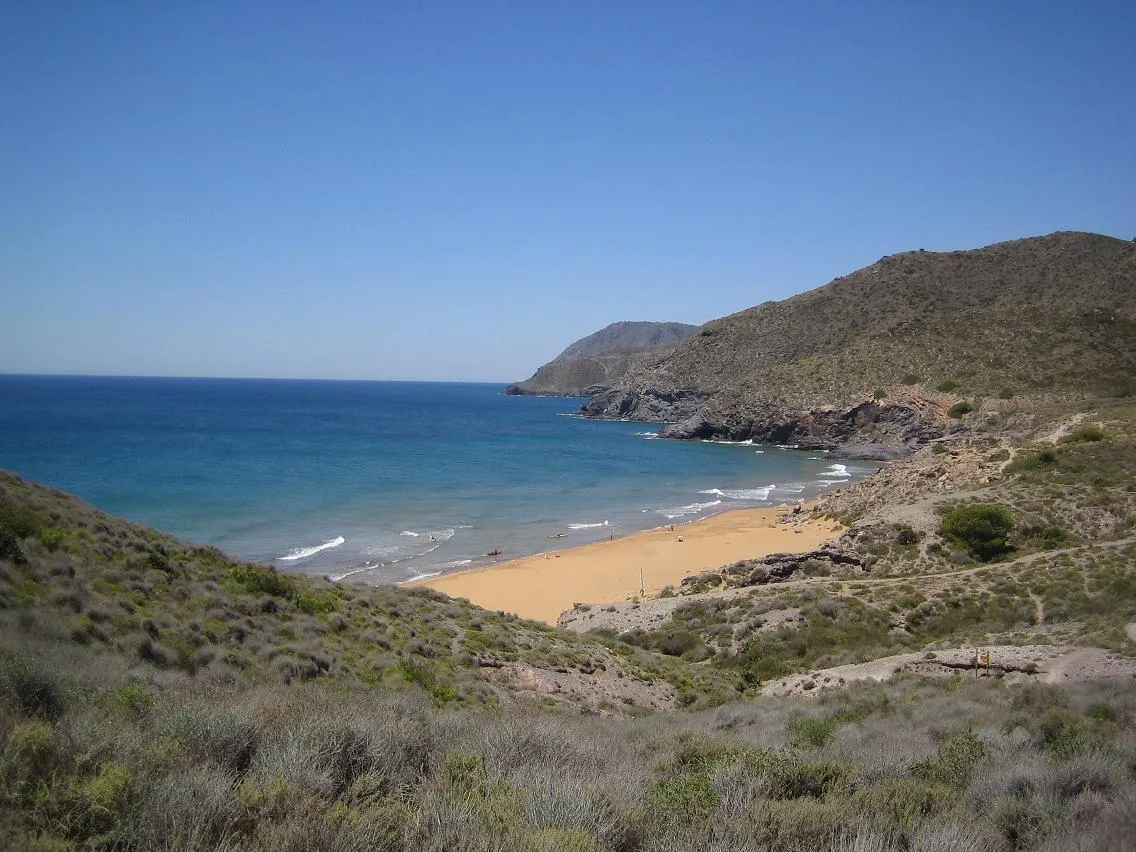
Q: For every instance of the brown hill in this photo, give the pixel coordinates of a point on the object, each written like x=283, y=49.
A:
x=881, y=355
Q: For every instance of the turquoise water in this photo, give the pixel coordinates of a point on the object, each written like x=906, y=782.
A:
x=376, y=481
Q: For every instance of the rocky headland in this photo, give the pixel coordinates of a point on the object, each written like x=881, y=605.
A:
x=878, y=363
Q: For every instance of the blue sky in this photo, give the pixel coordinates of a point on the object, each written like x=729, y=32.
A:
x=457, y=190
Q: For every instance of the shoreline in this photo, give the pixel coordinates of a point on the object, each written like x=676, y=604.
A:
x=544, y=585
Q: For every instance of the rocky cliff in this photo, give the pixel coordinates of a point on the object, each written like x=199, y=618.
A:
x=594, y=363
x=877, y=362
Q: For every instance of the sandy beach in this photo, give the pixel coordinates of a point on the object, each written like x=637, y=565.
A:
x=542, y=586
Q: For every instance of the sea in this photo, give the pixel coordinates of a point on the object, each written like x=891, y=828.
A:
x=378, y=482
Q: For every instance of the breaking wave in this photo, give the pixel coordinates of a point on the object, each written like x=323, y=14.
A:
x=305, y=552
x=691, y=509
x=741, y=493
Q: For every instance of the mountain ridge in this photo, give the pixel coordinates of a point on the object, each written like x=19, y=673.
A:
x=880, y=357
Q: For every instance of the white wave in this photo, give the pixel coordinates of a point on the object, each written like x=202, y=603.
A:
x=305, y=552
x=760, y=452
x=650, y=436
x=741, y=493
x=457, y=563
x=417, y=577
x=748, y=442
x=836, y=470
x=586, y=526
x=692, y=509
x=410, y=533
x=813, y=458
x=352, y=572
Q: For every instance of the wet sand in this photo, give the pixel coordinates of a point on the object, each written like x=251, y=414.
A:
x=541, y=587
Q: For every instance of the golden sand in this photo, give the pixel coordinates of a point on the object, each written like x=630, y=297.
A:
x=541, y=587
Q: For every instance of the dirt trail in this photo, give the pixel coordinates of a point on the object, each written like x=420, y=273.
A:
x=1049, y=663
x=1064, y=427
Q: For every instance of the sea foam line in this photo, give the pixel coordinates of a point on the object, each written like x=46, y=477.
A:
x=587, y=526
x=305, y=552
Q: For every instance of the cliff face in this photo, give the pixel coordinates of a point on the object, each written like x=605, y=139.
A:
x=594, y=363
x=873, y=361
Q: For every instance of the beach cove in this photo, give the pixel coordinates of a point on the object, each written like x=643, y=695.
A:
x=544, y=585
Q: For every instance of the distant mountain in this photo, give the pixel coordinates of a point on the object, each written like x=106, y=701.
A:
x=880, y=356
x=594, y=363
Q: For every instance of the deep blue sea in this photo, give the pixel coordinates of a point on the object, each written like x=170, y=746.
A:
x=376, y=481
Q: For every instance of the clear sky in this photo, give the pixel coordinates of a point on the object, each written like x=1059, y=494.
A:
x=457, y=190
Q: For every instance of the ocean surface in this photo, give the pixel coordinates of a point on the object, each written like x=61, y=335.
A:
x=377, y=481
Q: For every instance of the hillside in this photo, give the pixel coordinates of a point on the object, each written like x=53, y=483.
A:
x=158, y=695
x=875, y=360
x=596, y=362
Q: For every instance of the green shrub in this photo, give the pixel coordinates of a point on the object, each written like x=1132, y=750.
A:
x=906, y=536
x=135, y=698
x=879, y=393
x=261, y=579
x=314, y=602
x=947, y=386
x=959, y=409
x=1084, y=435
x=33, y=690
x=51, y=538
x=794, y=779
x=810, y=733
x=18, y=520
x=903, y=803
x=683, y=801
x=103, y=799
x=30, y=752
x=911, y=379
x=10, y=546
x=982, y=528
x=955, y=761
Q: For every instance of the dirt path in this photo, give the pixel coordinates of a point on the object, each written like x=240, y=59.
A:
x=790, y=585
x=1049, y=663
x=1064, y=427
